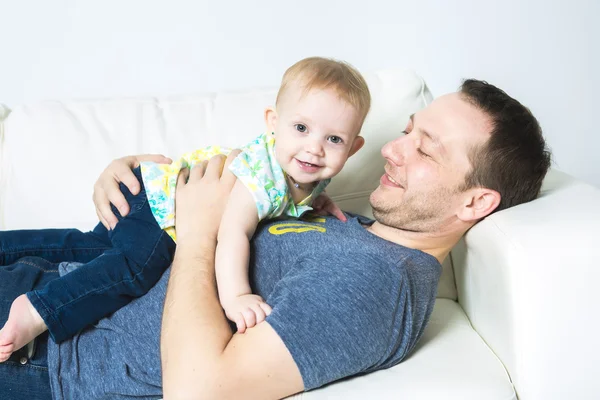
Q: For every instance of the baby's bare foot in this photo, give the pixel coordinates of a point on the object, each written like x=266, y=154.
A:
x=24, y=324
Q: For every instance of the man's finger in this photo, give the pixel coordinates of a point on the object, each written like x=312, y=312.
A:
x=157, y=158
x=198, y=171
x=183, y=177
x=231, y=156
x=215, y=167
x=227, y=177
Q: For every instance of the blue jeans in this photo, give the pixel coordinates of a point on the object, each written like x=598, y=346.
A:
x=23, y=377
x=119, y=265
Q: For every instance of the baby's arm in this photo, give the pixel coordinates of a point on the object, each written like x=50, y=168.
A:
x=233, y=254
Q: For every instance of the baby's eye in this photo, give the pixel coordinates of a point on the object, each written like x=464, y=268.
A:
x=300, y=128
x=335, y=139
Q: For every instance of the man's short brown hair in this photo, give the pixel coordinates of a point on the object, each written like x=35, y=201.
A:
x=515, y=159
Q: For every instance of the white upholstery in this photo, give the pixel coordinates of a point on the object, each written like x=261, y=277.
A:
x=524, y=275
x=80, y=137
x=451, y=362
x=527, y=281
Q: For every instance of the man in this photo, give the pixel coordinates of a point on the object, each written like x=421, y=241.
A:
x=347, y=298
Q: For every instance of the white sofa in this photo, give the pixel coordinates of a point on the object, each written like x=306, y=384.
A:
x=516, y=310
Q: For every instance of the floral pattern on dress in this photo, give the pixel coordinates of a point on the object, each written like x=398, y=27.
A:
x=256, y=167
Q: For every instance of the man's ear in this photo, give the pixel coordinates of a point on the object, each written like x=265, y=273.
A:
x=479, y=203
x=358, y=143
x=270, y=119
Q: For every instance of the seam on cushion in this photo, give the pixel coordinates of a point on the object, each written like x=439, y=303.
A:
x=498, y=359
x=350, y=196
x=4, y=113
x=423, y=88
x=453, y=276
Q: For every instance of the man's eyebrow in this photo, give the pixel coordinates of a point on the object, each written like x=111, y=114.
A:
x=433, y=138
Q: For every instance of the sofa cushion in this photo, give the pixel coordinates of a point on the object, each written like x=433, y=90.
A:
x=451, y=362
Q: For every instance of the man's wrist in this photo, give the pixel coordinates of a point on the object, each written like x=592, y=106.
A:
x=200, y=247
x=196, y=239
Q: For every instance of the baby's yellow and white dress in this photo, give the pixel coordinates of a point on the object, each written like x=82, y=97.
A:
x=256, y=167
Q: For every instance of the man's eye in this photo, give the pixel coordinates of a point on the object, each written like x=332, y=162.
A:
x=424, y=154
x=300, y=128
x=335, y=139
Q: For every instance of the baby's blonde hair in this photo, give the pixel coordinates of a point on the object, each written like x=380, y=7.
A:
x=324, y=73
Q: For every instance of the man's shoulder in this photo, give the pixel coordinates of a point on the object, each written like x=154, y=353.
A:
x=352, y=307
x=393, y=268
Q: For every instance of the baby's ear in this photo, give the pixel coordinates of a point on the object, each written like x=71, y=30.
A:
x=270, y=119
x=358, y=143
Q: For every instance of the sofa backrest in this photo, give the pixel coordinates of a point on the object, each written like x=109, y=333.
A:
x=53, y=151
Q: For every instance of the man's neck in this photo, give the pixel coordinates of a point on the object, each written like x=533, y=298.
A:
x=438, y=245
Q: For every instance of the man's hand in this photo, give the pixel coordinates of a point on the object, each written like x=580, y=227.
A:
x=323, y=205
x=201, y=197
x=246, y=311
x=106, y=188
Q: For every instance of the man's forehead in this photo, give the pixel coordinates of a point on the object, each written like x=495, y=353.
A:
x=450, y=117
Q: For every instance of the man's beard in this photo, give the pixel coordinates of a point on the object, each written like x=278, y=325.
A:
x=425, y=214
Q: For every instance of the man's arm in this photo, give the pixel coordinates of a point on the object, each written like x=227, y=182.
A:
x=200, y=356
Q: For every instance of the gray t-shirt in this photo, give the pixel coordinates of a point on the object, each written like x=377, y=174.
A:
x=345, y=302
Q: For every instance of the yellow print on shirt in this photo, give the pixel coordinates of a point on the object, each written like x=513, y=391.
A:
x=296, y=227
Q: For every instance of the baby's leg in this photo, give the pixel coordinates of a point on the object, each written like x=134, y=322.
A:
x=24, y=275
x=53, y=245
x=24, y=324
x=141, y=252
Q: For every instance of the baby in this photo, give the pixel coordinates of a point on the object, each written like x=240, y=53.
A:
x=313, y=129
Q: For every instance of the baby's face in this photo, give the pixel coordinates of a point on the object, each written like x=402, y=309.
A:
x=315, y=133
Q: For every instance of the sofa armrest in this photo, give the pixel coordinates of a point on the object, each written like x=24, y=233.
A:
x=526, y=278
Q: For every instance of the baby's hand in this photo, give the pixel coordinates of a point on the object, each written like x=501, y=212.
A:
x=323, y=205
x=246, y=311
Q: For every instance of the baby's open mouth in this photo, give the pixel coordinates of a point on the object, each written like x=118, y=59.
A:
x=308, y=164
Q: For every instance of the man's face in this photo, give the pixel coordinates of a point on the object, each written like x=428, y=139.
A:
x=425, y=169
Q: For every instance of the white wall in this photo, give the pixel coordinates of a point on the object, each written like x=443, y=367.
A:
x=543, y=53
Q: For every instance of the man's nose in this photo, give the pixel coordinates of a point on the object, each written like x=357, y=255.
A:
x=397, y=150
